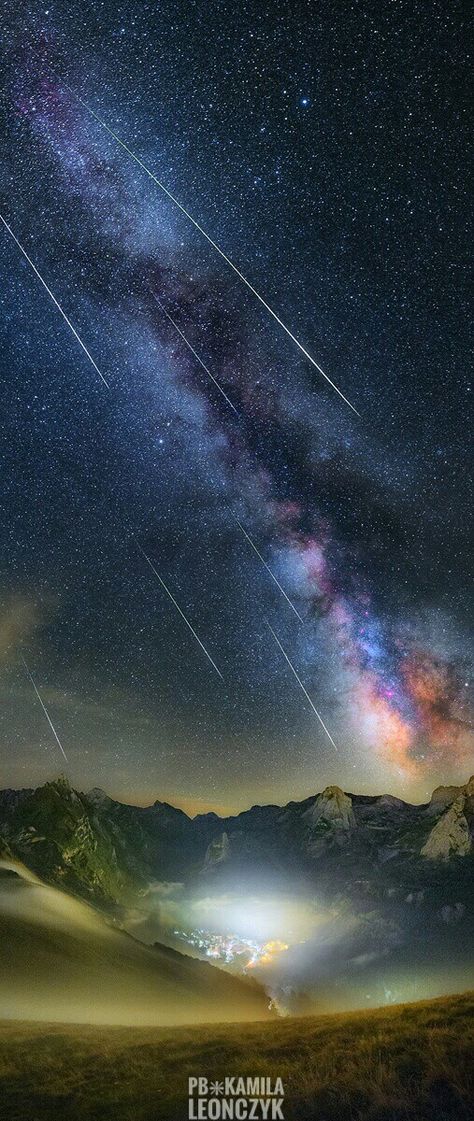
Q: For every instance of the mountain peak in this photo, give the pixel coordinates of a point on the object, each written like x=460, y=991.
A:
x=444, y=796
x=332, y=792
x=330, y=820
x=168, y=811
x=97, y=796
x=61, y=781
x=451, y=835
x=59, y=785
x=334, y=806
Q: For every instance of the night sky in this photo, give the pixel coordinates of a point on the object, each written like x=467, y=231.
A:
x=323, y=147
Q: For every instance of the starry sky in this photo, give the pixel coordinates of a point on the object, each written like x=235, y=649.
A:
x=319, y=554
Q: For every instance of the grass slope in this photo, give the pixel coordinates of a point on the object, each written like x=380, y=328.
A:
x=411, y=1062
x=60, y=960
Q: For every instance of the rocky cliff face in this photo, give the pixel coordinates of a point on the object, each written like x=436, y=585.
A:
x=217, y=852
x=363, y=845
x=444, y=796
x=451, y=836
x=330, y=820
x=59, y=834
x=333, y=807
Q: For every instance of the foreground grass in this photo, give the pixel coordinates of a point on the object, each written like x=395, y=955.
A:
x=411, y=1062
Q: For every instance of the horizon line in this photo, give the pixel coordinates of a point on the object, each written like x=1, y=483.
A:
x=62, y=777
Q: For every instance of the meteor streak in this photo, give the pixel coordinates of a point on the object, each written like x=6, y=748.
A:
x=55, y=301
x=176, y=605
x=300, y=683
x=209, y=239
x=43, y=706
x=270, y=573
x=198, y=359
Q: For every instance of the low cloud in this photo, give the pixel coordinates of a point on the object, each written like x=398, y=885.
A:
x=20, y=617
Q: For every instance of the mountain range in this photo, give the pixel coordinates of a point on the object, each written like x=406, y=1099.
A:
x=389, y=883
x=108, y=851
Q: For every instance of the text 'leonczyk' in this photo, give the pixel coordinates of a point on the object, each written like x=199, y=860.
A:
x=235, y=1099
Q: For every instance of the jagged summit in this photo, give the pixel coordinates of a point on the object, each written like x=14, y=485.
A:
x=98, y=795
x=329, y=821
x=61, y=782
x=451, y=835
x=107, y=850
x=444, y=796
x=169, y=808
x=334, y=807
x=331, y=802
x=391, y=802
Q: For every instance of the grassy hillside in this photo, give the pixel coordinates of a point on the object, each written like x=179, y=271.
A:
x=407, y=1063
x=61, y=961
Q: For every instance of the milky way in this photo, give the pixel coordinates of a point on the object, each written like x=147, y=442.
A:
x=314, y=179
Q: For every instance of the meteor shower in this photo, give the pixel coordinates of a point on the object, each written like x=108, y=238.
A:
x=236, y=706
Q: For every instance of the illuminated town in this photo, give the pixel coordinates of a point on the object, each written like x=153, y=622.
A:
x=230, y=949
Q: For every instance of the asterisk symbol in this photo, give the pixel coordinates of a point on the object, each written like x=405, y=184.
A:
x=216, y=1088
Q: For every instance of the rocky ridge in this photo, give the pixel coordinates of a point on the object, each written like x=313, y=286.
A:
x=103, y=849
